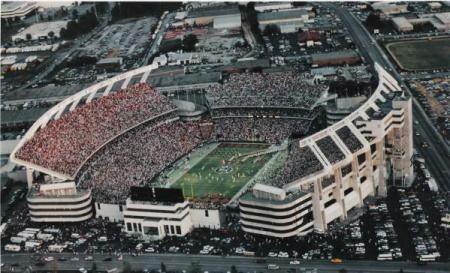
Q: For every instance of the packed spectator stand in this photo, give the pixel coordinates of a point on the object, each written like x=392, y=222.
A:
x=137, y=156
x=65, y=143
x=350, y=140
x=272, y=130
x=330, y=149
x=301, y=162
x=288, y=89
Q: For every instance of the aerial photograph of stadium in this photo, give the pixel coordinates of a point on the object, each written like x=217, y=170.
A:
x=225, y=137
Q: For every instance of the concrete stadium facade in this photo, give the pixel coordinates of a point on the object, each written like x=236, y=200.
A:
x=386, y=139
x=383, y=124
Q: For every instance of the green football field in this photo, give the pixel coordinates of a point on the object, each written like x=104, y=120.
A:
x=421, y=54
x=224, y=170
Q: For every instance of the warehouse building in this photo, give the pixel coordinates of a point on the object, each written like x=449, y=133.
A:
x=270, y=6
x=402, y=24
x=440, y=21
x=335, y=58
x=390, y=8
x=220, y=17
x=287, y=20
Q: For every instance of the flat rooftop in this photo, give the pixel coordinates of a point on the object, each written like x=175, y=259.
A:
x=289, y=198
x=282, y=15
x=22, y=116
x=213, y=11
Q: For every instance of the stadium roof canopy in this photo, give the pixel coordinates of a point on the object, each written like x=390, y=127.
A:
x=162, y=195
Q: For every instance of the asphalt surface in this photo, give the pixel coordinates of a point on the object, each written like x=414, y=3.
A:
x=217, y=264
x=437, y=155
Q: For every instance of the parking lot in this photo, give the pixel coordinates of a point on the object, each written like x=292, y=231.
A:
x=129, y=40
x=433, y=95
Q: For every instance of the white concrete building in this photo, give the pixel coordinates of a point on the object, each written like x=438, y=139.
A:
x=59, y=202
x=157, y=212
x=375, y=142
x=270, y=211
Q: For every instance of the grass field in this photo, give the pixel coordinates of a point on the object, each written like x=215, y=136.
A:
x=222, y=171
x=421, y=54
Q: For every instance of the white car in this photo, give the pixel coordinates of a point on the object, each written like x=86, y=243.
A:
x=82, y=270
x=294, y=262
x=49, y=259
x=150, y=249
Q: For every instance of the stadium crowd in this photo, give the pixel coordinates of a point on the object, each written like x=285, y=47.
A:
x=272, y=130
x=137, y=156
x=301, y=161
x=350, y=140
x=330, y=149
x=288, y=89
x=65, y=143
x=264, y=112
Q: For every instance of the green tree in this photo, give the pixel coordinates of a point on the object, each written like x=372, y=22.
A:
x=271, y=29
x=28, y=37
x=74, y=13
x=163, y=267
x=126, y=268
x=51, y=34
x=233, y=269
x=373, y=21
x=189, y=42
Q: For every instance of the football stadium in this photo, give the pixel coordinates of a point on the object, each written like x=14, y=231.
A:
x=156, y=162
x=225, y=170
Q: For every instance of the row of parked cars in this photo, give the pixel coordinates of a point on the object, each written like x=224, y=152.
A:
x=414, y=217
x=386, y=239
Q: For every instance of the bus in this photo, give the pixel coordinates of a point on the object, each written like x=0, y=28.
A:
x=427, y=258
x=25, y=235
x=18, y=240
x=56, y=231
x=249, y=253
x=31, y=245
x=32, y=230
x=45, y=237
x=384, y=257
x=12, y=248
x=56, y=248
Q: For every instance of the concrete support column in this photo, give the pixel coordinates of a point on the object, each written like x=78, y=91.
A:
x=318, y=212
x=30, y=178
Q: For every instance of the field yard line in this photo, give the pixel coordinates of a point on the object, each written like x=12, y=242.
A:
x=251, y=180
x=196, y=157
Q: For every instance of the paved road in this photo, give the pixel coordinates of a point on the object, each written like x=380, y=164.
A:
x=437, y=155
x=158, y=38
x=222, y=264
x=60, y=56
